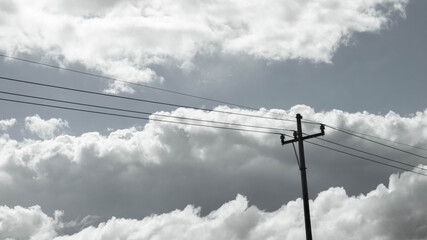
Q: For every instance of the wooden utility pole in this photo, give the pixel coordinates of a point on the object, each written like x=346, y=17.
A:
x=298, y=137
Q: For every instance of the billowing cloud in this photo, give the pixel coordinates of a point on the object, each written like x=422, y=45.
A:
x=44, y=128
x=5, y=124
x=392, y=212
x=33, y=223
x=160, y=167
x=25, y=223
x=125, y=38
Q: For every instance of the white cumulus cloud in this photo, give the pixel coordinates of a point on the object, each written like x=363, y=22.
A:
x=124, y=38
x=392, y=212
x=44, y=128
x=25, y=223
x=133, y=173
x=6, y=124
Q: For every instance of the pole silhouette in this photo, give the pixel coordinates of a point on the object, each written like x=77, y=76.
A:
x=298, y=137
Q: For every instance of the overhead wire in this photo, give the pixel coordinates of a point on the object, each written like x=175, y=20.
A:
x=358, y=134
x=140, y=112
x=132, y=83
x=138, y=99
x=126, y=82
x=350, y=132
x=376, y=142
x=206, y=126
x=136, y=117
x=371, y=154
x=347, y=131
x=365, y=158
x=183, y=94
x=383, y=139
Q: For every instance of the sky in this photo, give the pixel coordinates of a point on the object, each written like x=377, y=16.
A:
x=356, y=65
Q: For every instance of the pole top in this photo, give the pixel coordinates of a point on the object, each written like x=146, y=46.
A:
x=299, y=116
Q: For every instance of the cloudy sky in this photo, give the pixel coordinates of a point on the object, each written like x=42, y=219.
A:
x=357, y=65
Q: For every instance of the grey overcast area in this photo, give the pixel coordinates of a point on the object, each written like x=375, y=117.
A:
x=148, y=119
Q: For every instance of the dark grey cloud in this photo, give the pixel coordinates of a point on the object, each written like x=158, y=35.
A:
x=117, y=171
x=136, y=172
x=395, y=211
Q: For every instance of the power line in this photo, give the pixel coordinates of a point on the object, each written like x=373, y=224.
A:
x=135, y=117
x=187, y=95
x=138, y=99
x=133, y=83
x=140, y=112
x=127, y=82
x=200, y=125
x=373, y=141
x=372, y=154
x=364, y=158
x=383, y=139
x=364, y=134
x=347, y=131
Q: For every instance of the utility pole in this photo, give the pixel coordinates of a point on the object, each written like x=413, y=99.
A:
x=298, y=137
